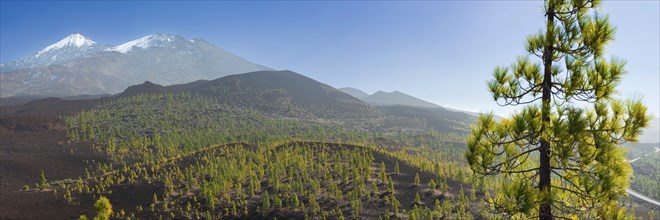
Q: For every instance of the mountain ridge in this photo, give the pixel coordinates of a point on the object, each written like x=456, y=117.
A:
x=69, y=48
x=354, y=92
x=76, y=65
x=397, y=98
x=73, y=40
x=280, y=92
x=388, y=98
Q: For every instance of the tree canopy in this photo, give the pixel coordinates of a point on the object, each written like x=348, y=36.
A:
x=560, y=153
x=103, y=208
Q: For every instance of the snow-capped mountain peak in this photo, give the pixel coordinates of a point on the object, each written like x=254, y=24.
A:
x=77, y=66
x=156, y=40
x=70, y=48
x=73, y=40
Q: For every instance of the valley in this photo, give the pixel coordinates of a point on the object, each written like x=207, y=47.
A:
x=231, y=148
x=174, y=146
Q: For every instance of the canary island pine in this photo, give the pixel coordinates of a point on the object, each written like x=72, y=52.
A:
x=560, y=153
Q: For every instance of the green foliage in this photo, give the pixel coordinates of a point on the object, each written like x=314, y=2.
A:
x=395, y=204
x=559, y=160
x=67, y=196
x=42, y=184
x=294, y=201
x=432, y=184
x=213, y=159
x=390, y=185
x=383, y=174
x=154, y=199
x=341, y=214
x=265, y=204
x=103, y=209
x=647, y=176
x=652, y=214
x=396, y=167
x=313, y=206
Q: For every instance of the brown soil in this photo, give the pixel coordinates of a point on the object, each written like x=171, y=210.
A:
x=33, y=138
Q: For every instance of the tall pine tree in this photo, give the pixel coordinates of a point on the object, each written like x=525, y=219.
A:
x=561, y=157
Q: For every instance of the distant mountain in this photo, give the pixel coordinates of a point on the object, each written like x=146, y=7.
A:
x=70, y=48
x=354, y=92
x=77, y=65
x=388, y=98
x=280, y=92
x=396, y=98
x=290, y=94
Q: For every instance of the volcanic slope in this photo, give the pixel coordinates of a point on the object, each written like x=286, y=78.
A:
x=187, y=155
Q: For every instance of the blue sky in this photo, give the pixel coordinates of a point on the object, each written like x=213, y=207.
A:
x=439, y=51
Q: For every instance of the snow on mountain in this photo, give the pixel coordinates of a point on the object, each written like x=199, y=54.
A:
x=70, y=48
x=74, y=40
x=77, y=65
x=157, y=40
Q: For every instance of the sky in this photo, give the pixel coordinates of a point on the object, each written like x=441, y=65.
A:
x=440, y=51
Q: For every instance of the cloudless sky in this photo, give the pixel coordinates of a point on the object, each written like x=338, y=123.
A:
x=441, y=51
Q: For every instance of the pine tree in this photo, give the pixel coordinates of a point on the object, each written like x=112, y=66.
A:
x=42, y=180
x=154, y=199
x=652, y=214
x=67, y=195
x=390, y=186
x=341, y=214
x=559, y=159
x=412, y=216
x=211, y=201
x=432, y=184
x=103, y=209
x=383, y=174
x=417, y=180
x=265, y=205
x=396, y=167
x=294, y=201
x=395, y=204
x=314, y=206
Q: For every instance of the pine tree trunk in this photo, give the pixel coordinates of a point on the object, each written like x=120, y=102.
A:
x=545, y=208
